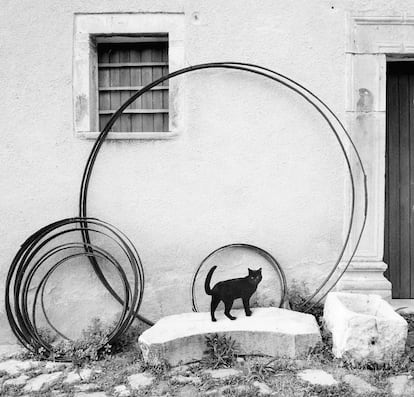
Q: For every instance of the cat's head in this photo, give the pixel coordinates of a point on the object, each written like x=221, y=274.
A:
x=255, y=276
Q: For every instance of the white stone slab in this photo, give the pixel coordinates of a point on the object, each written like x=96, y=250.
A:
x=140, y=380
x=21, y=380
x=8, y=351
x=54, y=366
x=223, y=373
x=317, y=377
x=121, y=391
x=41, y=381
x=93, y=394
x=264, y=390
x=269, y=331
x=364, y=327
x=14, y=367
x=86, y=387
x=359, y=385
x=75, y=376
x=183, y=380
x=401, y=385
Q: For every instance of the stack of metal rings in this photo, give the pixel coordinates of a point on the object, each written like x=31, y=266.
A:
x=54, y=246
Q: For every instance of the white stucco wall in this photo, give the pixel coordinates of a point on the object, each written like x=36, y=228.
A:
x=253, y=162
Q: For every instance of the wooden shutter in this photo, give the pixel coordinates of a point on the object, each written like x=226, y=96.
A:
x=124, y=68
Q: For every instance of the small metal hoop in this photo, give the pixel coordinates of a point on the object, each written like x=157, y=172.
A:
x=273, y=262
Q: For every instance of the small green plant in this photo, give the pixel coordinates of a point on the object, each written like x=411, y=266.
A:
x=323, y=350
x=248, y=391
x=160, y=369
x=91, y=346
x=263, y=370
x=129, y=339
x=46, y=335
x=298, y=295
x=222, y=351
x=260, y=371
x=340, y=390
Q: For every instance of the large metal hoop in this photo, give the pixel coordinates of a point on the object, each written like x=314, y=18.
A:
x=326, y=113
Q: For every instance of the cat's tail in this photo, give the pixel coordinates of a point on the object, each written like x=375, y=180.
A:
x=208, y=280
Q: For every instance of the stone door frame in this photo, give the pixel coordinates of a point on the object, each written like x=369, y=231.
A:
x=371, y=41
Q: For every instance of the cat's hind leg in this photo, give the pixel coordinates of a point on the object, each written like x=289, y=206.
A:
x=215, y=300
x=227, y=307
x=246, y=304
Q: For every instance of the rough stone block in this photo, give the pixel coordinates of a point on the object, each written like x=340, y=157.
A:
x=269, y=331
x=364, y=327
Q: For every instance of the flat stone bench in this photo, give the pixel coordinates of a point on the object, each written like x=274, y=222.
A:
x=180, y=338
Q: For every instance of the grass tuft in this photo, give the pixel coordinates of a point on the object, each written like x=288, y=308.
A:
x=221, y=351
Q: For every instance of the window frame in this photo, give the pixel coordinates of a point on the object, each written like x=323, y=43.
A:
x=87, y=27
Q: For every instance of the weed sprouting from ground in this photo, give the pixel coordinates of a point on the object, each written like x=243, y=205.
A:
x=260, y=371
x=249, y=391
x=128, y=341
x=47, y=335
x=323, y=350
x=264, y=368
x=409, y=317
x=298, y=295
x=340, y=390
x=160, y=369
x=91, y=346
x=221, y=351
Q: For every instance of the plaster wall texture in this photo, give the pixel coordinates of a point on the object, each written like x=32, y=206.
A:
x=252, y=162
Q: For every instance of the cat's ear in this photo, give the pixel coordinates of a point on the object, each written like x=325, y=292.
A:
x=250, y=270
x=260, y=270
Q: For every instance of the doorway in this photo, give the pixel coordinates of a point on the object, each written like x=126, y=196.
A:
x=399, y=179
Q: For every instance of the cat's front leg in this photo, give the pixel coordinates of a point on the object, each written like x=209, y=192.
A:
x=227, y=307
x=246, y=304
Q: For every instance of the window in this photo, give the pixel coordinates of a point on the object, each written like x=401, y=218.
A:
x=114, y=55
x=126, y=64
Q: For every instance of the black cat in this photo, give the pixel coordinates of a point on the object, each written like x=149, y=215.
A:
x=229, y=290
